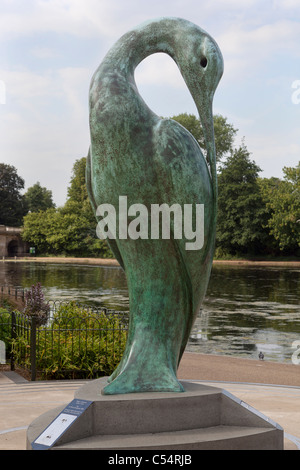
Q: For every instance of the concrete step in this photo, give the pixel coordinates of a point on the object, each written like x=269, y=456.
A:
x=212, y=438
x=200, y=418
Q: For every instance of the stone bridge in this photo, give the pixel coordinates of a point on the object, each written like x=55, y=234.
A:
x=11, y=243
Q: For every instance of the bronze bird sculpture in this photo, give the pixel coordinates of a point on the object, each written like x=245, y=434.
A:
x=150, y=160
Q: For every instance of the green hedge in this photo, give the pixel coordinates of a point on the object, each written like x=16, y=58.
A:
x=77, y=343
x=5, y=328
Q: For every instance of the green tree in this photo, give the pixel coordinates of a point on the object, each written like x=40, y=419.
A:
x=12, y=203
x=68, y=230
x=78, y=203
x=224, y=132
x=36, y=229
x=282, y=198
x=77, y=189
x=38, y=198
x=241, y=210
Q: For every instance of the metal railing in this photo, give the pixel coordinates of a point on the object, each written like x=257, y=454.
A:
x=18, y=293
x=74, y=341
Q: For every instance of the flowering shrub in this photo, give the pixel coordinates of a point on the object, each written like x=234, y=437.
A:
x=35, y=304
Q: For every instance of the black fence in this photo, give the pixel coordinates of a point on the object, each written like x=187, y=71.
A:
x=73, y=341
x=18, y=293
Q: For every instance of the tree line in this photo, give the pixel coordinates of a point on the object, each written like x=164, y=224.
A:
x=256, y=216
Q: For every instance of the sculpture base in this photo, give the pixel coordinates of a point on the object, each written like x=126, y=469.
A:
x=202, y=417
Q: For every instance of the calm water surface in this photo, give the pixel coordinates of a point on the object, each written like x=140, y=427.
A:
x=246, y=310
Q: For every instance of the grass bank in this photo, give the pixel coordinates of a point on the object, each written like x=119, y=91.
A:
x=114, y=262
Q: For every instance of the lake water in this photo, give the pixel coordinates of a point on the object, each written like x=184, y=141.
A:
x=246, y=310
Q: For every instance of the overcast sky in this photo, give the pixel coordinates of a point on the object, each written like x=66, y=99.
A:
x=49, y=50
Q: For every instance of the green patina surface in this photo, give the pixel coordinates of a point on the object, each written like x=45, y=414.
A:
x=150, y=160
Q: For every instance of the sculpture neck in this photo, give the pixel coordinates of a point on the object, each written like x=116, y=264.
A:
x=136, y=45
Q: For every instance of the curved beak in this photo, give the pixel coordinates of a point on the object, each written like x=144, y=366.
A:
x=202, y=87
x=203, y=97
x=204, y=107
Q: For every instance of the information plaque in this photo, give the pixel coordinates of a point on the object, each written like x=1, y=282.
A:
x=60, y=424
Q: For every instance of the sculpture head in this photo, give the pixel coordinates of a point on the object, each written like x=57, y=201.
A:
x=201, y=64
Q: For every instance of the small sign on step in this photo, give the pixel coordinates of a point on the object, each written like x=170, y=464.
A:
x=60, y=424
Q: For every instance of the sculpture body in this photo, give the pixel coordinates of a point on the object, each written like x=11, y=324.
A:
x=150, y=160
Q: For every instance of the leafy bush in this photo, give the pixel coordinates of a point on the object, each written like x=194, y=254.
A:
x=5, y=327
x=78, y=343
x=6, y=309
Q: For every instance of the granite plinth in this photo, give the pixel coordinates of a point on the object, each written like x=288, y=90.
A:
x=201, y=417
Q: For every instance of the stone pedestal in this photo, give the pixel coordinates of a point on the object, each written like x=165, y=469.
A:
x=202, y=417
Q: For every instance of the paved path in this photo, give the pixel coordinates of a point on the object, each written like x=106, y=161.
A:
x=22, y=401
x=234, y=369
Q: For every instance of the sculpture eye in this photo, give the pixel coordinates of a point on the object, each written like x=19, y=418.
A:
x=203, y=62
